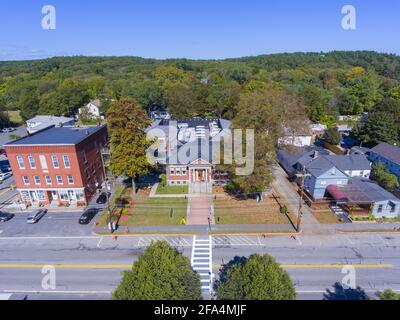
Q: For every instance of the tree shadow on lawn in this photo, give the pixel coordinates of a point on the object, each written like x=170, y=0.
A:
x=341, y=293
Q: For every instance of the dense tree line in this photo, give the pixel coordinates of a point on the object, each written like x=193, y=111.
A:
x=330, y=84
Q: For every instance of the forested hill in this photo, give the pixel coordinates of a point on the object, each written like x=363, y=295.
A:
x=328, y=84
x=384, y=64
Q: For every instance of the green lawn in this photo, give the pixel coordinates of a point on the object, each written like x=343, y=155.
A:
x=172, y=189
x=152, y=212
x=232, y=211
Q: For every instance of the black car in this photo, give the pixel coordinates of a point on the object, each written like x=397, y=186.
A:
x=4, y=216
x=87, y=216
x=102, y=199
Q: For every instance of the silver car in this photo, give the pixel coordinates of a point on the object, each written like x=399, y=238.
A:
x=35, y=216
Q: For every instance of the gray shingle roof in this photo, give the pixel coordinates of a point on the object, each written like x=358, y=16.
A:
x=319, y=166
x=57, y=136
x=350, y=162
x=372, y=190
x=388, y=151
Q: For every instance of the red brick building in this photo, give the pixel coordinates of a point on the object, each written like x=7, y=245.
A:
x=58, y=166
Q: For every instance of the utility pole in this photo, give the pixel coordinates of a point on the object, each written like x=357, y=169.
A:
x=302, y=177
x=106, y=153
x=298, y=227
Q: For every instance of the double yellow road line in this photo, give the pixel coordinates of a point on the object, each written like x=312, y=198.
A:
x=216, y=266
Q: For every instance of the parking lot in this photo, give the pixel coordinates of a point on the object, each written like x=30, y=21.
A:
x=53, y=224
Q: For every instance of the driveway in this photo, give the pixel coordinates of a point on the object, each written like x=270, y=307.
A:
x=60, y=224
x=287, y=191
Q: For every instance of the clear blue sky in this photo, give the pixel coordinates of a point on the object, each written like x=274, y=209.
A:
x=194, y=28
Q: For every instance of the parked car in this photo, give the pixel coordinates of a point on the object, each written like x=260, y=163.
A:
x=5, y=216
x=102, y=199
x=5, y=175
x=88, y=216
x=35, y=216
x=8, y=130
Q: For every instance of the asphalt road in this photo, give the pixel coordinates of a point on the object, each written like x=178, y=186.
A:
x=90, y=267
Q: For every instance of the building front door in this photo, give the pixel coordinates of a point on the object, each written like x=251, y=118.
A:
x=54, y=195
x=33, y=196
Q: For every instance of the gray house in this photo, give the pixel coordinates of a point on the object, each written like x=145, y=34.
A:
x=320, y=173
x=383, y=203
x=322, y=169
x=388, y=155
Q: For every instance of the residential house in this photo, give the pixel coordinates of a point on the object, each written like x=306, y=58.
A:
x=92, y=109
x=158, y=112
x=365, y=197
x=39, y=123
x=322, y=169
x=388, y=155
x=298, y=138
x=59, y=165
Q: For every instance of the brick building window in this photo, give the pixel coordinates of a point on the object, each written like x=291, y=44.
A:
x=70, y=179
x=172, y=171
x=67, y=163
x=21, y=163
x=26, y=180
x=41, y=195
x=48, y=180
x=32, y=162
x=37, y=180
x=56, y=164
x=59, y=180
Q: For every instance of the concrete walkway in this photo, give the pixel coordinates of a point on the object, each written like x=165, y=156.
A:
x=309, y=224
x=199, y=209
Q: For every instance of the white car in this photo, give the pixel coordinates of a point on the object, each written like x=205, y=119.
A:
x=5, y=175
x=8, y=130
x=35, y=216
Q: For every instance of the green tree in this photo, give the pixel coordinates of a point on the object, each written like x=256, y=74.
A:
x=255, y=278
x=385, y=179
x=332, y=136
x=379, y=127
x=314, y=102
x=127, y=123
x=161, y=273
x=388, y=295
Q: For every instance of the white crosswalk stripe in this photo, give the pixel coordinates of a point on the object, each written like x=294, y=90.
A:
x=145, y=241
x=225, y=241
x=202, y=261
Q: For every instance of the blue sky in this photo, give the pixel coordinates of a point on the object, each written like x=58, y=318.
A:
x=194, y=28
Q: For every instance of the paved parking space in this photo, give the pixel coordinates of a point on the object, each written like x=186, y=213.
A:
x=52, y=224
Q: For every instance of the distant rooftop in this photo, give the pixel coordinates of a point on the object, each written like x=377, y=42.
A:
x=57, y=136
x=389, y=152
x=51, y=119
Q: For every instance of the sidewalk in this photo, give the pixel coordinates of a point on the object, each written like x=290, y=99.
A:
x=202, y=229
x=309, y=224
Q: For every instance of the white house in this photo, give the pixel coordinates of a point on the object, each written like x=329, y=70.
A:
x=39, y=123
x=300, y=138
x=93, y=108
